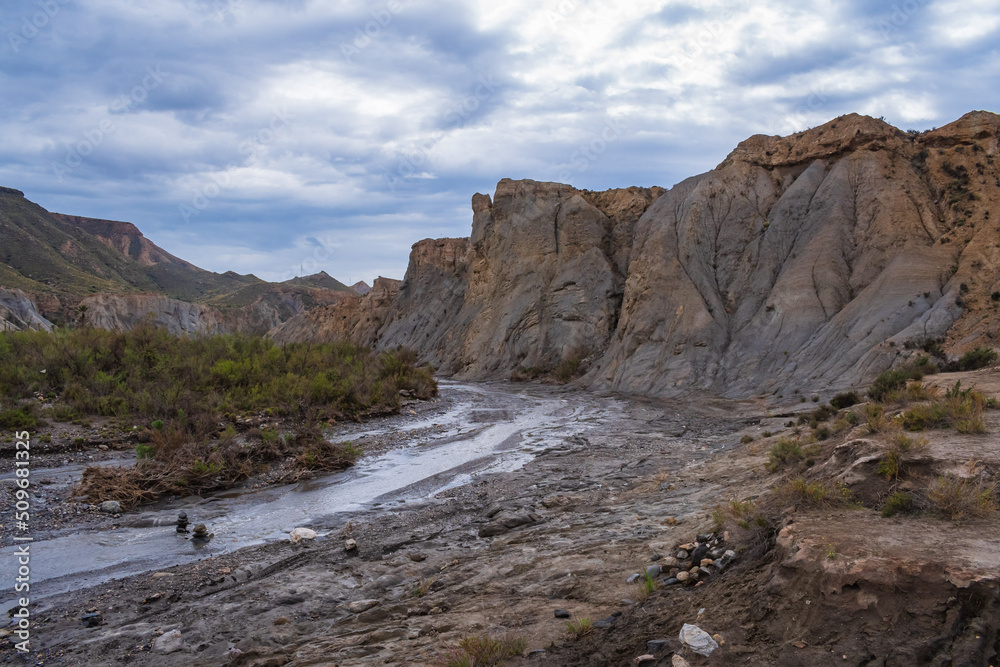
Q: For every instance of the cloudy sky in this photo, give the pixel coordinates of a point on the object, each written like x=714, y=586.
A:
x=279, y=136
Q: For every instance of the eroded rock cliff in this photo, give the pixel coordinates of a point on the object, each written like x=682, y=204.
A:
x=18, y=312
x=799, y=264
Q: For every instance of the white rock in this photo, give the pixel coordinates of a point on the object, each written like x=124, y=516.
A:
x=168, y=642
x=300, y=534
x=350, y=545
x=697, y=640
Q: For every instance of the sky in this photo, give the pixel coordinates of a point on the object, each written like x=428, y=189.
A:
x=285, y=137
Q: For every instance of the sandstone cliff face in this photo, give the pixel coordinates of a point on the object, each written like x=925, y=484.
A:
x=18, y=312
x=353, y=318
x=125, y=312
x=799, y=264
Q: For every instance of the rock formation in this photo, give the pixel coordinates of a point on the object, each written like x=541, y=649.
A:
x=799, y=264
x=18, y=312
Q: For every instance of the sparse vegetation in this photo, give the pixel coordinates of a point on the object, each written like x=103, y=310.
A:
x=845, y=400
x=977, y=358
x=746, y=438
x=783, y=452
x=808, y=493
x=897, y=503
x=580, y=627
x=959, y=498
x=961, y=409
x=895, y=379
x=485, y=651
x=900, y=446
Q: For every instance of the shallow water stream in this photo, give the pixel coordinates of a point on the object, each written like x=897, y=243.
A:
x=486, y=428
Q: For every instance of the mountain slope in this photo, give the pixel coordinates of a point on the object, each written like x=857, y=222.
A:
x=802, y=263
x=61, y=262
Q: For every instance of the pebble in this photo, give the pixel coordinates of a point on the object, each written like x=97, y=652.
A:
x=350, y=545
x=633, y=578
x=705, y=562
x=111, y=507
x=416, y=556
x=562, y=613
x=672, y=581
x=646, y=659
x=653, y=571
x=683, y=555
x=683, y=576
x=678, y=661
x=91, y=620
x=656, y=645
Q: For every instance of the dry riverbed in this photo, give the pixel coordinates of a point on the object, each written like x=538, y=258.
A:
x=498, y=551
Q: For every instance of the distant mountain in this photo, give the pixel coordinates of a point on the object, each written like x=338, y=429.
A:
x=61, y=262
x=321, y=280
x=361, y=287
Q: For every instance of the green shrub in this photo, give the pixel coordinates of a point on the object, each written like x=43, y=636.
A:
x=157, y=425
x=895, y=379
x=845, y=400
x=899, y=502
x=580, y=627
x=485, y=651
x=783, y=452
x=144, y=452
x=961, y=409
x=900, y=446
x=977, y=358
x=20, y=419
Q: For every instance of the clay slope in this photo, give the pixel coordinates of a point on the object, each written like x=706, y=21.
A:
x=799, y=264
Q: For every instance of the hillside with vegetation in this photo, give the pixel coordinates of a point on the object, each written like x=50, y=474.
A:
x=59, y=261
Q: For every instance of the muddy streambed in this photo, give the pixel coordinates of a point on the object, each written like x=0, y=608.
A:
x=484, y=429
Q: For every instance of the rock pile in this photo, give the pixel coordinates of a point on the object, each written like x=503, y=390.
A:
x=693, y=562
